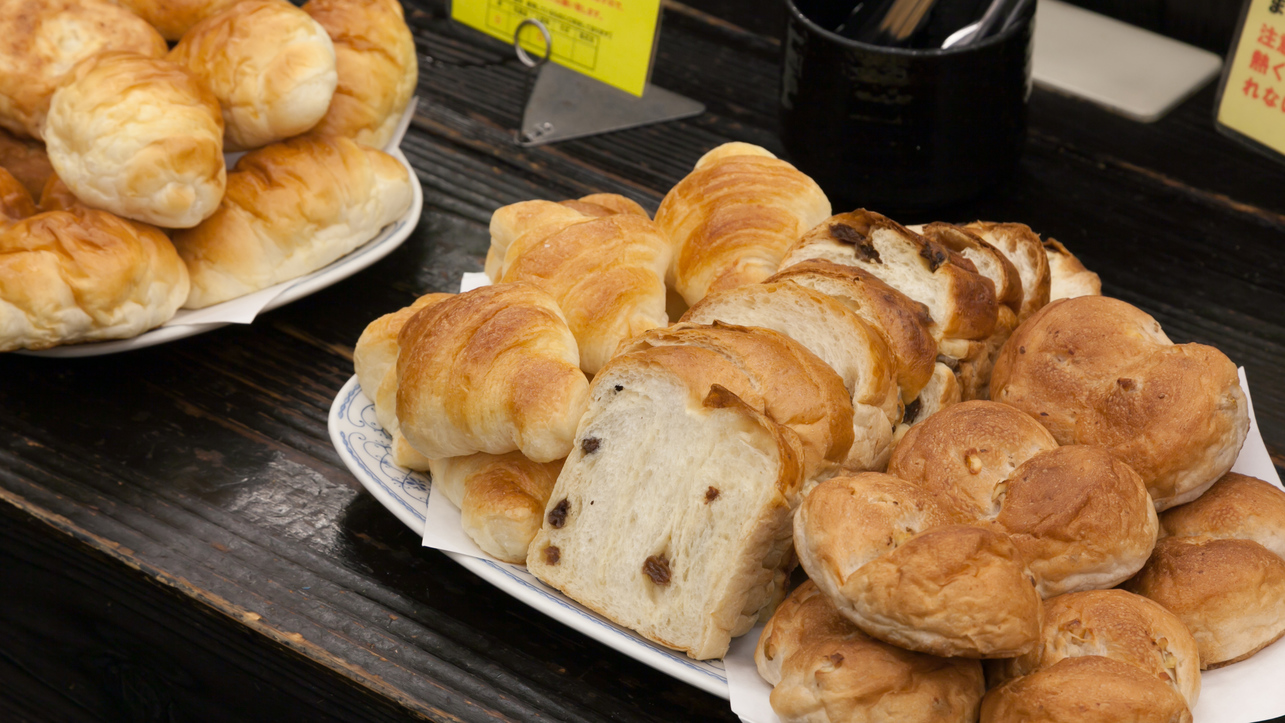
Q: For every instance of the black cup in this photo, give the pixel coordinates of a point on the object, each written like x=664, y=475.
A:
x=902, y=130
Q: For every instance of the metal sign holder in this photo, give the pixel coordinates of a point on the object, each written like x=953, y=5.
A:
x=565, y=104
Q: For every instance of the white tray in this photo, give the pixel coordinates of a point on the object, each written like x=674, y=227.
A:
x=364, y=447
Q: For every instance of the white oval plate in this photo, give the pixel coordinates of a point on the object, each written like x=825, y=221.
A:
x=365, y=449
x=389, y=238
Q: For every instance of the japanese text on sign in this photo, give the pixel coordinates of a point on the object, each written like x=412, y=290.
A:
x=1253, y=99
x=610, y=40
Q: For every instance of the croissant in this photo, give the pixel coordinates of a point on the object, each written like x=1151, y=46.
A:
x=733, y=217
x=492, y=370
x=501, y=498
x=606, y=272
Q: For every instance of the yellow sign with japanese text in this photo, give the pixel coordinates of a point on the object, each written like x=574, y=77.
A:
x=609, y=40
x=1253, y=95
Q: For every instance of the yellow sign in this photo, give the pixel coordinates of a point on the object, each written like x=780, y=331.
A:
x=609, y=40
x=1253, y=96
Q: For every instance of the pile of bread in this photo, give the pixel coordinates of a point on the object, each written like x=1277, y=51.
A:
x=663, y=418
x=122, y=140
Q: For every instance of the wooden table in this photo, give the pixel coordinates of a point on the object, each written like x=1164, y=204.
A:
x=181, y=542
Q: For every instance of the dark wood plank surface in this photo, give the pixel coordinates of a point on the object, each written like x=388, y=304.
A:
x=181, y=541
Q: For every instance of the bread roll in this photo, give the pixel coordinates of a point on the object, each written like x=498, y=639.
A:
x=965, y=453
x=375, y=361
x=1237, y=506
x=606, y=271
x=732, y=218
x=26, y=160
x=771, y=373
x=173, y=18
x=825, y=670
x=1080, y=517
x=894, y=561
x=292, y=208
x=1068, y=276
x=1095, y=370
x=377, y=65
x=834, y=334
x=1118, y=625
x=1090, y=689
x=1023, y=248
x=84, y=275
x=501, y=499
x=271, y=66
x=493, y=370
x=672, y=513
x=903, y=323
x=15, y=202
x=45, y=39
x=139, y=137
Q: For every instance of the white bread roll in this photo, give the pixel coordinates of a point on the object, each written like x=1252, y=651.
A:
x=290, y=209
x=377, y=65
x=172, y=18
x=84, y=275
x=42, y=40
x=825, y=670
x=140, y=137
x=270, y=65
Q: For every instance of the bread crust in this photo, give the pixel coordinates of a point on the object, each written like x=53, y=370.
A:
x=825, y=670
x=1237, y=506
x=1023, y=248
x=1090, y=689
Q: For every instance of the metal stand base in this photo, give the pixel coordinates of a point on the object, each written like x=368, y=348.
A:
x=565, y=104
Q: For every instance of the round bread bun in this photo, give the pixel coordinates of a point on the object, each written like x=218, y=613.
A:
x=1089, y=689
x=1095, y=370
x=271, y=66
x=139, y=137
x=964, y=452
x=1080, y=517
x=825, y=670
x=42, y=40
x=84, y=275
x=15, y=201
x=1114, y=624
x=377, y=65
x=1236, y=506
x=1227, y=592
x=173, y=18
x=892, y=560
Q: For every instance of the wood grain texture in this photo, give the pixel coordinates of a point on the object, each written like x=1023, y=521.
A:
x=195, y=483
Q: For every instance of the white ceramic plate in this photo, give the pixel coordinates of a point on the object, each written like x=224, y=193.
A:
x=364, y=447
x=377, y=248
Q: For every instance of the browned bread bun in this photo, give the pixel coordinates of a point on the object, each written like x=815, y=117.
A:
x=1069, y=277
x=172, y=18
x=501, y=499
x=1095, y=370
x=904, y=324
x=893, y=561
x=140, y=137
x=606, y=271
x=26, y=160
x=1023, y=248
x=15, y=201
x=374, y=359
x=377, y=65
x=1089, y=689
x=837, y=336
x=672, y=514
x=733, y=217
x=492, y=370
x=771, y=373
x=825, y=670
x=292, y=208
x=42, y=40
x=271, y=66
x=1113, y=624
x=965, y=452
x=1236, y=506
x=1080, y=517
x=84, y=275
